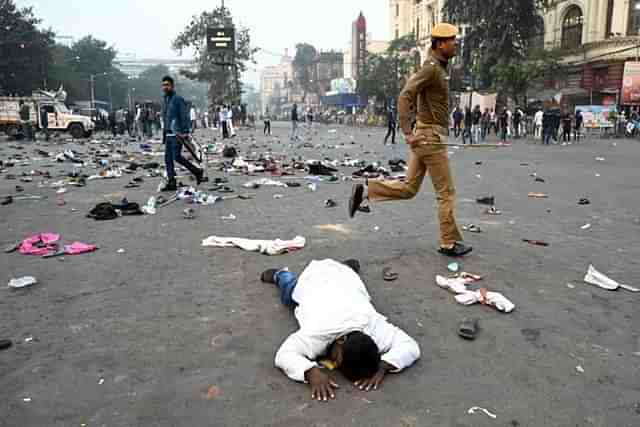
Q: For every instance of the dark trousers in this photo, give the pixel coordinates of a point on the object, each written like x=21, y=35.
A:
x=566, y=134
x=225, y=130
x=391, y=132
x=457, y=129
x=173, y=155
x=267, y=127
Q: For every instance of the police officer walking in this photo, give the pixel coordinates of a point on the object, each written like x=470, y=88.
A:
x=428, y=92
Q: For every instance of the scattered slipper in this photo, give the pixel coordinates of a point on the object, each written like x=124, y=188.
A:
x=189, y=213
x=490, y=200
x=5, y=344
x=364, y=209
x=493, y=211
x=471, y=228
x=12, y=247
x=389, y=275
x=132, y=185
x=584, y=201
x=293, y=184
x=6, y=201
x=468, y=329
x=330, y=203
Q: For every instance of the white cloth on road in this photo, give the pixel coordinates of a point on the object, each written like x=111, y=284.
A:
x=267, y=247
x=333, y=302
x=465, y=296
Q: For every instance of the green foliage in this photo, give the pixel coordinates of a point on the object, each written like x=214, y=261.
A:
x=224, y=80
x=385, y=75
x=25, y=51
x=514, y=78
x=500, y=31
x=304, y=69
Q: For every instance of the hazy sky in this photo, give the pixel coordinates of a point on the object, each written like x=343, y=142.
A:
x=147, y=27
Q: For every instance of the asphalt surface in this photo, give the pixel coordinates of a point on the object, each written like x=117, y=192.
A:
x=168, y=333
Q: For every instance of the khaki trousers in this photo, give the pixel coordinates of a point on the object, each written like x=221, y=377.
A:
x=434, y=160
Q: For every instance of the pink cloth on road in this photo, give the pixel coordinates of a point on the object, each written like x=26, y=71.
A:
x=77, y=248
x=40, y=244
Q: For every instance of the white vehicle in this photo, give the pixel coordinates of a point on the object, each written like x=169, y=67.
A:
x=59, y=117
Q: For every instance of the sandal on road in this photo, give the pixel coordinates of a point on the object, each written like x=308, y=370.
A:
x=389, y=275
x=468, y=329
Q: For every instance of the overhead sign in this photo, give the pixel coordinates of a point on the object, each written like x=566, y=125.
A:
x=631, y=83
x=221, y=39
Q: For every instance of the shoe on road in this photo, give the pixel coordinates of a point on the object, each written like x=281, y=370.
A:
x=457, y=250
x=357, y=197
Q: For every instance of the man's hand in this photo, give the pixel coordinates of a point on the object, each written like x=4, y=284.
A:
x=322, y=385
x=375, y=381
x=414, y=140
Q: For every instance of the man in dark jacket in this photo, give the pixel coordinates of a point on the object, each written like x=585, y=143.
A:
x=25, y=117
x=457, y=122
x=177, y=127
x=44, y=122
x=391, y=124
x=294, y=122
x=468, y=124
x=548, y=127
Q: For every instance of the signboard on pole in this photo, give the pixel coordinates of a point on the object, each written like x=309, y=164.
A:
x=221, y=40
x=631, y=83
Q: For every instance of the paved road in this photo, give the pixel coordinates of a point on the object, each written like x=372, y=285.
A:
x=167, y=319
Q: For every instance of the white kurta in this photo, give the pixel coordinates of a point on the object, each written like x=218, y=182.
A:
x=332, y=302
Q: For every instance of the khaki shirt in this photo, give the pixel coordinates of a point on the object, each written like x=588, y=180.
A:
x=428, y=92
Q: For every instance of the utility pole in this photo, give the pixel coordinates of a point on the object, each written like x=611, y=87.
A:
x=93, y=95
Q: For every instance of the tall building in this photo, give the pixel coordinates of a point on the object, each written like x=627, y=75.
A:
x=355, y=55
x=596, y=38
x=359, y=45
x=276, y=82
x=133, y=66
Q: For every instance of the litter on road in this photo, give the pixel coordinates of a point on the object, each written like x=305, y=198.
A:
x=267, y=247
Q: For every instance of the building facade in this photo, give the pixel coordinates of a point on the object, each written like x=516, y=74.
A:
x=596, y=38
x=133, y=66
x=276, y=82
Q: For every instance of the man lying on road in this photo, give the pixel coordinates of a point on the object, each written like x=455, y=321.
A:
x=337, y=322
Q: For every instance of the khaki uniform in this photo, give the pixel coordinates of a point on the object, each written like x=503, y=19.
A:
x=427, y=93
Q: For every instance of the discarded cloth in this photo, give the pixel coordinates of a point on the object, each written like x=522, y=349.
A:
x=77, y=248
x=465, y=296
x=594, y=277
x=267, y=247
x=40, y=244
x=264, y=181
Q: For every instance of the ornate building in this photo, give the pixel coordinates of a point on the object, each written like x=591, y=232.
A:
x=596, y=36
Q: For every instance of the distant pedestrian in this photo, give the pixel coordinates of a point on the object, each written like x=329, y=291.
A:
x=392, y=124
x=579, y=122
x=267, y=123
x=457, y=122
x=566, y=127
x=224, y=124
x=537, y=121
x=44, y=122
x=25, y=118
x=468, y=125
x=294, y=123
x=503, y=123
x=194, y=118
x=493, y=122
x=475, y=125
x=485, y=123
x=547, y=127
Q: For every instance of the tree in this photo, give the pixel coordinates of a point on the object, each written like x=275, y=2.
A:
x=224, y=80
x=24, y=50
x=499, y=30
x=305, y=69
x=385, y=75
x=73, y=67
x=515, y=78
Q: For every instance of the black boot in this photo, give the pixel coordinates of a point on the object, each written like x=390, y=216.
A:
x=269, y=276
x=170, y=187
